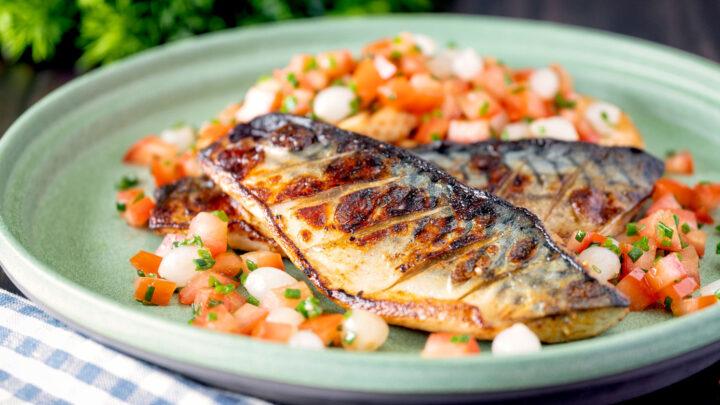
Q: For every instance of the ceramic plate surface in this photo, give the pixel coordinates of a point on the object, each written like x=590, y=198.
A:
x=62, y=242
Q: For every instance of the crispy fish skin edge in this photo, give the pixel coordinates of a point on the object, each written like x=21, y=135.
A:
x=454, y=316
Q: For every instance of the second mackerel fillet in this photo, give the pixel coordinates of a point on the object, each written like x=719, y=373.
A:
x=373, y=226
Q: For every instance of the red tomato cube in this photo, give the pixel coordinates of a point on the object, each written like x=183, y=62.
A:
x=212, y=230
x=635, y=287
x=272, y=331
x=680, y=290
x=667, y=271
x=279, y=297
x=442, y=344
x=248, y=317
x=201, y=280
x=690, y=305
x=326, y=327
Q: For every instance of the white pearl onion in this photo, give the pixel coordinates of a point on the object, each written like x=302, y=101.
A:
x=183, y=136
x=600, y=261
x=554, y=127
x=427, y=45
x=333, y=103
x=517, y=130
x=517, y=339
x=710, y=289
x=178, y=265
x=307, y=340
x=467, y=64
x=603, y=116
x=545, y=82
x=285, y=315
x=441, y=65
x=262, y=280
x=384, y=67
x=369, y=331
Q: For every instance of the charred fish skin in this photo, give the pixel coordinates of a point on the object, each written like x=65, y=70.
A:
x=177, y=203
x=374, y=226
x=568, y=185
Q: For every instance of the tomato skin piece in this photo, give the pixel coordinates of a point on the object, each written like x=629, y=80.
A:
x=166, y=171
x=273, y=332
x=149, y=149
x=680, y=290
x=232, y=301
x=367, y=79
x=248, y=317
x=262, y=258
x=696, y=238
x=690, y=305
x=645, y=261
x=396, y=93
x=164, y=290
x=189, y=164
x=691, y=263
x=326, y=327
x=224, y=320
x=212, y=131
x=684, y=194
x=275, y=298
x=525, y=103
x=128, y=196
x=650, y=230
x=704, y=216
x=680, y=163
x=707, y=197
x=146, y=262
x=138, y=213
x=666, y=271
x=227, y=263
x=201, y=280
x=433, y=126
x=666, y=202
x=427, y=94
x=635, y=287
x=212, y=230
x=439, y=344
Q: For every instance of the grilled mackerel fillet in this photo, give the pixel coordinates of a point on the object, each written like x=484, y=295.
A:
x=179, y=202
x=375, y=227
x=568, y=185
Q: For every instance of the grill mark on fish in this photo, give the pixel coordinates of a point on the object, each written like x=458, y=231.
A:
x=566, y=185
x=357, y=278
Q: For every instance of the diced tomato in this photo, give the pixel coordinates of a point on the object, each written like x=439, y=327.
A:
x=261, y=258
x=335, y=63
x=298, y=102
x=218, y=319
x=166, y=171
x=703, y=216
x=275, y=298
x=680, y=163
x=272, y=331
x=227, y=114
x=707, y=196
x=680, y=290
x=525, y=103
x=248, y=317
x=189, y=164
x=690, y=261
x=645, y=261
x=696, y=239
x=146, y=262
x=148, y=149
x=232, y=301
x=666, y=202
x=128, y=196
x=586, y=132
x=212, y=230
x=366, y=79
x=314, y=80
x=397, y=93
x=441, y=344
x=301, y=63
x=201, y=280
x=427, y=94
x=212, y=131
x=154, y=290
x=138, y=213
x=578, y=246
x=493, y=78
x=468, y=131
x=478, y=104
x=690, y=305
x=686, y=217
x=667, y=271
x=651, y=227
x=412, y=64
x=635, y=287
x=432, y=129
x=326, y=327
x=167, y=243
x=566, y=81
x=227, y=263
x=682, y=193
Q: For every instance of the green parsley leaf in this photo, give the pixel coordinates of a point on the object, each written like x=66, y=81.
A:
x=292, y=293
x=127, y=182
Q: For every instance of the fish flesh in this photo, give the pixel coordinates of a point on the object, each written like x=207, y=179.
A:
x=568, y=185
x=373, y=226
x=177, y=203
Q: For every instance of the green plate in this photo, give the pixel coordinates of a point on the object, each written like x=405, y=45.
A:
x=64, y=245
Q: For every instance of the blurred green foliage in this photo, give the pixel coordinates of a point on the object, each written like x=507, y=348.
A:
x=95, y=32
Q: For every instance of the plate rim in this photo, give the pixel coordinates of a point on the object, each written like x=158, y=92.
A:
x=13, y=247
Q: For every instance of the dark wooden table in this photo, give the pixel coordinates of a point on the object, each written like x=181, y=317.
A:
x=689, y=25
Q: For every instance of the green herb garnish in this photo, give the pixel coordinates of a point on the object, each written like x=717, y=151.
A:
x=309, y=307
x=635, y=253
x=212, y=303
x=631, y=229
x=561, y=102
x=205, y=261
x=685, y=228
x=149, y=293
x=120, y=207
x=212, y=316
x=251, y=265
x=289, y=104
x=293, y=80
x=668, y=302
x=187, y=242
x=459, y=338
x=292, y=293
x=252, y=300
x=484, y=108
x=221, y=214
x=127, y=182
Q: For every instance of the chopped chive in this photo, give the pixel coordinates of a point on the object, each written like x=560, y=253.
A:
x=252, y=300
x=139, y=197
x=677, y=221
x=459, y=338
x=451, y=44
x=508, y=80
x=212, y=303
x=354, y=105
x=331, y=60
x=187, y=242
x=120, y=207
x=293, y=80
x=518, y=89
x=435, y=136
x=195, y=309
x=392, y=96
x=717, y=293
x=610, y=244
x=309, y=307
x=348, y=313
x=127, y=182
x=670, y=152
x=505, y=135
x=243, y=278
x=426, y=117
x=149, y=293
x=212, y=316
x=635, y=253
x=310, y=65
x=717, y=228
x=678, y=256
x=643, y=243
x=349, y=337
x=717, y=249
x=685, y=228
x=205, y=261
x=664, y=230
x=140, y=273
x=292, y=293
x=666, y=243
x=353, y=87
x=225, y=289
x=221, y=214
x=395, y=55
x=631, y=229
x=484, y=108
x=213, y=282
x=580, y=235
x=657, y=259
x=668, y=302
x=561, y=102
x=596, y=269
x=251, y=265
x=289, y=104
x=437, y=113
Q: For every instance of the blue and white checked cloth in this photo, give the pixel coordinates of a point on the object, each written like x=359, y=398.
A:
x=42, y=361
